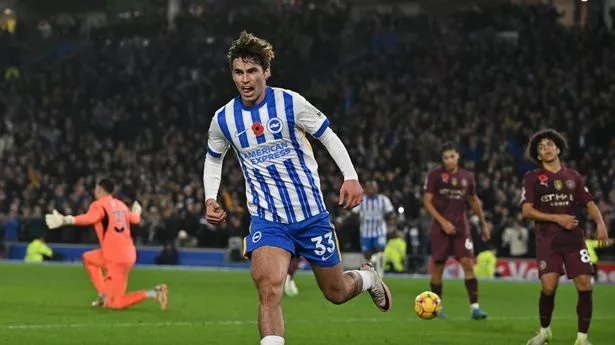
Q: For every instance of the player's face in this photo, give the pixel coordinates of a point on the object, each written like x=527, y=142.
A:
x=547, y=151
x=97, y=192
x=371, y=189
x=250, y=80
x=450, y=159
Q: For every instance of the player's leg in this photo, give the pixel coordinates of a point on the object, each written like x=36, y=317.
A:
x=317, y=242
x=339, y=287
x=579, y=268
x=290, y=287
x=549, y=269
x=464, y=250
x=269, y=246
x=377, y=259
x=117, y=282
x=441, y=246
x=269, y=268
x=94, y=263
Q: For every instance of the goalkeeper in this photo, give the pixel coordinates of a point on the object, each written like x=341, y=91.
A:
x=117, y=254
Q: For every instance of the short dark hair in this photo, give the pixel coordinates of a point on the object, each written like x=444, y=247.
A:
x=448, y=146
x=250, y=47
x=558, y=139
x=106, y=184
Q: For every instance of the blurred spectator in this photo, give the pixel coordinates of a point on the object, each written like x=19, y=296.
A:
x=168, y=255
x=133, y=100
x=516, y=237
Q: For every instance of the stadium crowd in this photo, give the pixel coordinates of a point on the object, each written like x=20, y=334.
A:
x=133, y=100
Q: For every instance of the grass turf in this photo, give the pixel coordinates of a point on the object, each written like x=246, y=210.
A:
x=50, y=304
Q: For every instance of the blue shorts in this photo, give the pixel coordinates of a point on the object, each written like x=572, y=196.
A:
x=373, y=244
x=313, y=238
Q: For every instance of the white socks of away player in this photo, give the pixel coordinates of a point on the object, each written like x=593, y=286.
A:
x=272, y=340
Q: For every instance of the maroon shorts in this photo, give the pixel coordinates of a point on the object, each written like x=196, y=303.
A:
x=573, y=261
x=443, y=245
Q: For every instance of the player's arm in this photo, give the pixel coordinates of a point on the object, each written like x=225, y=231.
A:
x=217, y=146
x=583, y=196
x=134, y=216
x=430, y=188
x=389, y=211
x=477, y=208
x=431, y=209
x=94, y=215
x=528, y=211
x=316, y=123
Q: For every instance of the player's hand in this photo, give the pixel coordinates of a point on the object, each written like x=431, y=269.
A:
x=352, y=193
x=54, y=220
x=215, y=214
x=486, y=231
x=566, y=221
x=136, y=208
x=448, y=227
x=602, y=235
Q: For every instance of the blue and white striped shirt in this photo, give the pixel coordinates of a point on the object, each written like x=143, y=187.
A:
x=281, y=173
x=373, y=211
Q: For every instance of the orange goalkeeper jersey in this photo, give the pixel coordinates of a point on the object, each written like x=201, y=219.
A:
x=111, y=219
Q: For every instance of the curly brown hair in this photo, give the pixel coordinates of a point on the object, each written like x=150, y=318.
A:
x=558, y=139
x=250, y=47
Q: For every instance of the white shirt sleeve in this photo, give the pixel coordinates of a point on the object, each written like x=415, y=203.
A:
x=388, y=205
x=313, y=121
x=217, y=146
x=309, y=118
x=340, y=155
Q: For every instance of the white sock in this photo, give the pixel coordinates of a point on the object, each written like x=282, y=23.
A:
x=581, y=336
x=368, y=278
x=272, y=340
x=151, y=293
x=545, y=329
x=474, y=306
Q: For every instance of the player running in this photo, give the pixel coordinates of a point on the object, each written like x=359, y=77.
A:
x=374, y=211
x=550, y=197
x=447, y=190
x=117, y=254
x=266, y=128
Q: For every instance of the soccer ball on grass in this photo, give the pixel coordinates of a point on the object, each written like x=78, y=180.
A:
x=427, y=305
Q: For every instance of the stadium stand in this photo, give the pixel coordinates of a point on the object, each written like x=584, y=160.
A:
x=133, y=100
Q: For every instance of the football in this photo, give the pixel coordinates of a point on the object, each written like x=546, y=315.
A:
x=427, y=305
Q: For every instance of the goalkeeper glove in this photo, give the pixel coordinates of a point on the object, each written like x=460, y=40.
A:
x=136, y=208
x=55, y=220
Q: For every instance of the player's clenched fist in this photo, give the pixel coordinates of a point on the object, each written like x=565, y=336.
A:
x=215, y=213
x=352, y=193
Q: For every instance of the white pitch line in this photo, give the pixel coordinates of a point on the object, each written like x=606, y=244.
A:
x=251, y=322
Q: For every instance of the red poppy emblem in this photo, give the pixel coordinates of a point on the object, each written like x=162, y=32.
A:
x=444, y=177
x=258, y=129
x=542, y=178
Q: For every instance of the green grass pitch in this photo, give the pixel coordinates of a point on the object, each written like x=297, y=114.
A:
x=50, y=304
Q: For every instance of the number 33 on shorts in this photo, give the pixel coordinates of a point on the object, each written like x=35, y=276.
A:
x=325, y=245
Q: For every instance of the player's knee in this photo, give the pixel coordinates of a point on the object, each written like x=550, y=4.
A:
x=334, y=295
x=583, y=283
x=548, y=289
x=270, y=293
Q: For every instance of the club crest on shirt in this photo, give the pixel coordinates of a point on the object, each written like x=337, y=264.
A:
x=454, y=181
x=274, y=125
x=570, y=184
x=558, y=184
x=464, y=182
